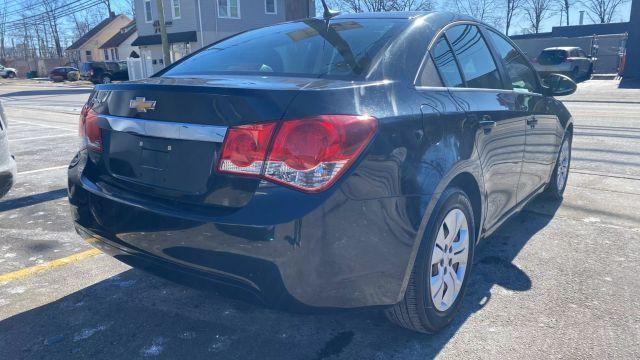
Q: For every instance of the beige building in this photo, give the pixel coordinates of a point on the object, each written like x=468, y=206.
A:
x=87, y=48
x=119, y=46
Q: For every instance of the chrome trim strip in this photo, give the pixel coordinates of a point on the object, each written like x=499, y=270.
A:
x=167, y=130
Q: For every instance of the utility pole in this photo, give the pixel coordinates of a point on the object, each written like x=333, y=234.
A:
x=632, y=67
x=108, y=3
x=163, y=34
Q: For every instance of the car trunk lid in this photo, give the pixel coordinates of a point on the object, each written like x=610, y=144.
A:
x=162, y=136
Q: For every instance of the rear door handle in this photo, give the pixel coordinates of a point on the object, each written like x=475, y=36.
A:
x=486, y=123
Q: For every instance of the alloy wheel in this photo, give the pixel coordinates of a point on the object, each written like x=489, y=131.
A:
x=449, y=259
x=563, y=165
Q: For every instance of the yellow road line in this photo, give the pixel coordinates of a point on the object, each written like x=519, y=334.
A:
x=26, y=272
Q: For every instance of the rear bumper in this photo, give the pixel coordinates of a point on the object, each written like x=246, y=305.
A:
x=341, y=253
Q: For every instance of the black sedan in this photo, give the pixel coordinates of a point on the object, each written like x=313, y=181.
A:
x=337, y=163
x=61, y=73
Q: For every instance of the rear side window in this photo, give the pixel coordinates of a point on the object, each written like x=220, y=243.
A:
x=477, y=64
x=310, y=48
x=442, y=57
x=521, y=76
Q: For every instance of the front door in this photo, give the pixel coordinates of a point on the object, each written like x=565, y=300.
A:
x=544, y=136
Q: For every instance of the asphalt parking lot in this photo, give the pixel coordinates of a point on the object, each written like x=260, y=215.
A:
x=557, y=281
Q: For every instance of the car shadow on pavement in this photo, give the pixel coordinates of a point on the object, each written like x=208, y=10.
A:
x=52, y=91
x=17, y=203
x=134, y=315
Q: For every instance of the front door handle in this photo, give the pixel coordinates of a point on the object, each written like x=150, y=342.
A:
x=486, y=123
x=532, y=121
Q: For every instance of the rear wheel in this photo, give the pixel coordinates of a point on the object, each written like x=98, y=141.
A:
x=441, y=271
x=590, y=72
x=558, y=182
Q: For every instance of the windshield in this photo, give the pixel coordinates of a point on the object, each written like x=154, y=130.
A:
x=309, y=48
x=552, y=57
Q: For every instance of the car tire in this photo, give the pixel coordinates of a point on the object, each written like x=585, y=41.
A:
x=418, y=311
x=558, y=183
x=11, y=74
x=590, y=72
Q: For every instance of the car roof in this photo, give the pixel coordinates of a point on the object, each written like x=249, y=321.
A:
x=563, y=48
x=437, y=19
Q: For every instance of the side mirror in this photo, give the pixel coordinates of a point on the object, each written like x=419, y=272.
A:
x=558, y=85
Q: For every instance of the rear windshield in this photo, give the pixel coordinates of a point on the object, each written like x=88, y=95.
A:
x=344, y=49
x=552, y=57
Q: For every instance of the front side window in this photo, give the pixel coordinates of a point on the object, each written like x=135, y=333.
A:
x=270, y=6
x=229, y=9
x=175, y=8
x=147, y=11
x=345, y=49
x=477, y=64
x=522, y=77
x=442, y=57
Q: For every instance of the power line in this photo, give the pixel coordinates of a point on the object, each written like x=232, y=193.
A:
x=40, y=19
x=52, y=11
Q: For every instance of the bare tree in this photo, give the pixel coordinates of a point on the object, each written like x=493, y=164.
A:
x=413, y=5
x=483, y=10
x=51, y=7
x=565, y=6
x=602, y=11
x=128, y=7
x=536, y=11
x=382, y=5
x=513, y=8
x=3, y=21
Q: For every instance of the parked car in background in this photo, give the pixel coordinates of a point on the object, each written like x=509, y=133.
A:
x=343, y=163
x=7, y=72
x=104, y=72
x=7, y=163
x=61, y=73
x=570, y=61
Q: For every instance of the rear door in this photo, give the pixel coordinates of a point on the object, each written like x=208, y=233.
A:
x=500, y=129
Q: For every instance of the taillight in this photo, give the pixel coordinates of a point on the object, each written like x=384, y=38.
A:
x=90, y=135
x=309, y=154
x=245, y=148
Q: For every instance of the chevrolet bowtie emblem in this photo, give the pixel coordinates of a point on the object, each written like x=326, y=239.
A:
x=141, y=104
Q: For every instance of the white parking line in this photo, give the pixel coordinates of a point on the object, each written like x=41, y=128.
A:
x=42, y=137
x=42, y=125
x=45, y=169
